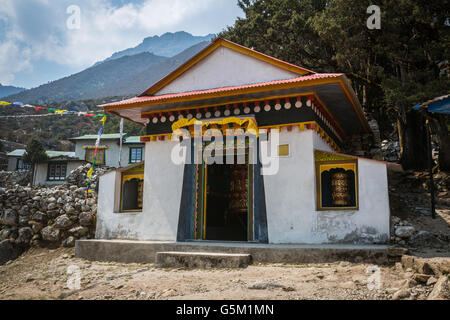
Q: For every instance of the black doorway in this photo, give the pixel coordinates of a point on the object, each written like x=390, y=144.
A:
x=227, y=202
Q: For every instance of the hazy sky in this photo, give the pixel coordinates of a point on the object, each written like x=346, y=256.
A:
x=37, y=46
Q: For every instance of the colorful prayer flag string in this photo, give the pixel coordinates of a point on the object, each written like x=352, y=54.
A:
x=97, y=144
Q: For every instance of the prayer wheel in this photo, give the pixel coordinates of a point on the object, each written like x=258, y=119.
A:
x=340, y=189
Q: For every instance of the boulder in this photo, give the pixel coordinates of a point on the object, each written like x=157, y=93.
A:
x=38, y=216
x=404, y=232
x=63, y=222
x=421, y=278
x=50, y=234
x=8, y=251
x=69, y=242
x=37, y=226
x=9, y=217
x=25, y=235
x=441, y=289
x=86, y=219
x=401, y=294
x=79, y=231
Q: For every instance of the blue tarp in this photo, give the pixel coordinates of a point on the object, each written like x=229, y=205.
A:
x=437, y=105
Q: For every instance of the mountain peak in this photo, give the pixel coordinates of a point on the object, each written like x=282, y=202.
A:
x=168, y=44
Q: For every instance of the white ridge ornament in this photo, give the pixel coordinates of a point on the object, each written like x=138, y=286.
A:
x=171, y=118
x=208, y=114
x=217, y=114
x=247, y=110
x=237, y=111
x=180, y=117
x=298, y=104
x=227, y=112
x=155, y=120
x=267, y=107
x=190, y=116
x=257, y=109
x=163, y=119
x=287, y=105
x=198, y=115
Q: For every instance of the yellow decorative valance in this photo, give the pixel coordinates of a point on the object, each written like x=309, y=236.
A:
x=248, y=123
x=93, y=147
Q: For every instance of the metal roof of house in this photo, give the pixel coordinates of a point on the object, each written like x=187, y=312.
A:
x=110, y=136
x=132, y=139
x=16, y=153
x=50, y=153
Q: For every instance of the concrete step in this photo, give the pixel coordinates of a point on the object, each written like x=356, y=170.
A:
x=202, y=260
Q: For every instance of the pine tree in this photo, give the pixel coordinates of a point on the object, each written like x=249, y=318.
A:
x=34, y=154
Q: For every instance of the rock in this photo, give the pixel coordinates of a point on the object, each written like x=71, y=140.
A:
x=404, y=231
x=264, y=285
x=401, y=294
x=69, y=242
x=441, y=289
x=38, y=216
x=37, y=226
x=86, y=219
x=51, y=200
x=421, y=278
x=69, y=209
x=79, y=231
x=9, y=217
x=410, y=283
x=63, y=222
x=25, y=235
x=8, y=252
x=50, y=234
x=431, y=280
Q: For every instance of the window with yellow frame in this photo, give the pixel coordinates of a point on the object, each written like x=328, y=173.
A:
x=100, y=156
x=336, y=182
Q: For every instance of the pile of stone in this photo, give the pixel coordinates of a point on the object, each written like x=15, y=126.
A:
x=404, y=233
x=8, y=178
x=424, y=279
x=78, y=177
x=44, y=216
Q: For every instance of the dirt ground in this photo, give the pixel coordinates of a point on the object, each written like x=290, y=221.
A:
x=46, y=274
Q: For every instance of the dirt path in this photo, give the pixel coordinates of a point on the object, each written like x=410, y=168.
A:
x=44, y=274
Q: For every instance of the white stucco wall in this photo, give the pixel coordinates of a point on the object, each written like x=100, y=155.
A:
x=12, y=163
x=219, y=70
x=161, y=201
x=40, y=175
x=291, y=199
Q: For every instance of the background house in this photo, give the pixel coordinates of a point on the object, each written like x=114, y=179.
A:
x=109, y=149
x=51, y=172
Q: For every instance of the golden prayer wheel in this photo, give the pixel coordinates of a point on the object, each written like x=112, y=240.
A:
x=340, y=189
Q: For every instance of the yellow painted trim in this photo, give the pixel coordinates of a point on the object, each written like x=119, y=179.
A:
x=210, y=49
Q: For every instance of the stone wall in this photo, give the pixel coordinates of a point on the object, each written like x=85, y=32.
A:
x=42, y=216
x=49, y=216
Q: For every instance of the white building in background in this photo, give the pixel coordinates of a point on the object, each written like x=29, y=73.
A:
x=109, y=149
x=54, y=171
x=317, y=194
x=61, y=163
